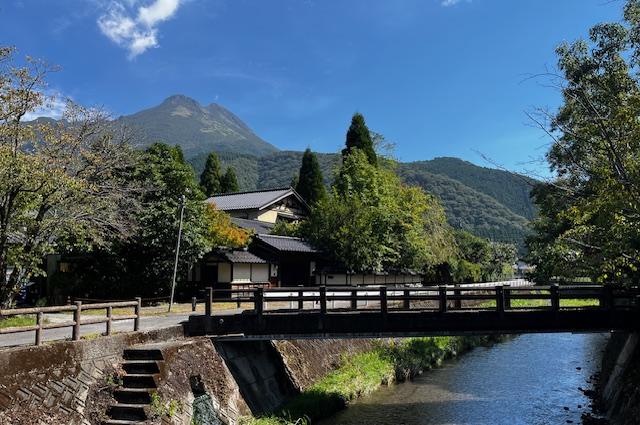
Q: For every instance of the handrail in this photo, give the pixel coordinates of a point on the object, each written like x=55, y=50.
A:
x=77, y=321
x=443, y=298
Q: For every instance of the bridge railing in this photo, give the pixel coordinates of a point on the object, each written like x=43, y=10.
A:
x=77, y=320
x=439, y=299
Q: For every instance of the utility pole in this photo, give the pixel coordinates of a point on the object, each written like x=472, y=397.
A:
x=175, y=264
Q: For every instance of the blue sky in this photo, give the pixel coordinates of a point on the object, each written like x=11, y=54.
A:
x=437, y=77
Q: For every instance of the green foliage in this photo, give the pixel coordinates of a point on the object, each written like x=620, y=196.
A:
x=211, y=175
x=358, y=137
x=61, y=184
x=229, y=181
x=160, y=408
x=285, y=228
x=590, y=216
x=371, y=221
x=310, y=184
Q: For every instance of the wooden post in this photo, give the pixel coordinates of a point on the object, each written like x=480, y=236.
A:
x=442, y=291
x=75, y=334
x=323, y=299
x=457, y=303
x=258, y=301
x=109, y=314
x=137, y=312
x=606, y=298
x=507, y=297
x=354, y=299
x=406, y=303
x=500, y=300
x=194, y=302
x=39, y=322
x=555, y=297
x=208, y=302
x=300, y=300
x=384, y=308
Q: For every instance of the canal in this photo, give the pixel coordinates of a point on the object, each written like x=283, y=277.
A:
x=531, y=379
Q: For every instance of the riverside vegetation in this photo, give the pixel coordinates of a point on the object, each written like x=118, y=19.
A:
x=391, y=361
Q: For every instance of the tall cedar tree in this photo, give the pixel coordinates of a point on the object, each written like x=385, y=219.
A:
x=210, y=179
x=358, y=137
x=229, y=181
x=310, y=183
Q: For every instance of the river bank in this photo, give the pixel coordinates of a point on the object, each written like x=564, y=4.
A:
x=390, y=361
x=529, y=379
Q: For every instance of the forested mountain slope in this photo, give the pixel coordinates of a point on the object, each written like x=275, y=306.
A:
x=511, y=190
x=469, y=205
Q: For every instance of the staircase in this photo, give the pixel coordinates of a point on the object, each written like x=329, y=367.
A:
x=141, y=365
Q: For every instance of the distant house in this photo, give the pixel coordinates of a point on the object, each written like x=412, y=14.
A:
x=264, y=206
x=295, y=258
x=272, y=260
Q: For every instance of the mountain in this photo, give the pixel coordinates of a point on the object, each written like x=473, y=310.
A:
x=198, y=129
x=510, y=189
x=491, y=203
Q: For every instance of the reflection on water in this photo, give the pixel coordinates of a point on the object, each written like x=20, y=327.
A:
x=532, y=379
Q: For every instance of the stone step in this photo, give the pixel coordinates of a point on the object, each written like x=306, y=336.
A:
x=127, y=412
x=142, y=354
x=141, y=366
x=138, y=381
x=133, y=395
x=121, y=422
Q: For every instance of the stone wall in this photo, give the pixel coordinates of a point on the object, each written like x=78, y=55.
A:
x=52, y=382
x=64, y=382
x=620, y=379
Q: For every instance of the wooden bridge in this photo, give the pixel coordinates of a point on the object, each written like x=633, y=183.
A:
x=357, y=312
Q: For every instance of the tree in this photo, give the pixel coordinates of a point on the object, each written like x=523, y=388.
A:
x=61, y=183
x=229, y=181
x=142, y=264
x=211, y=175
x=359, y=137
x=370, y=221
x=221, y=232
x=310, y=184
x=593, y=215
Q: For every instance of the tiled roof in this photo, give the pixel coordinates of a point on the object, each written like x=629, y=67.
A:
x=248, y=200
x=255, y=225
x=287, y=243
x=240, y=256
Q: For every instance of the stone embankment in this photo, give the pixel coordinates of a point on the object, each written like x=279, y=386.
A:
x=197, y=381
x=619, y=380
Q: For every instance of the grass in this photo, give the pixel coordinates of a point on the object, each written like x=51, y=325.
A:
x=364, y=373
x=567, y=303
x=17, y=321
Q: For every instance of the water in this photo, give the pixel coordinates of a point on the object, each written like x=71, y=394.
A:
x=527, y=380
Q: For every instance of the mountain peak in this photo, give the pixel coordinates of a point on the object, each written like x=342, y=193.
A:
x=181, y=100
x=198, y=129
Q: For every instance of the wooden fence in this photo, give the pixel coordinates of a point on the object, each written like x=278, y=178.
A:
x=441, y=299
x=77, y=308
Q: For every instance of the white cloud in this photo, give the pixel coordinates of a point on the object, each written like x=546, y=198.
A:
x=447, y=3
x=53, y=107
x=137, y=31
